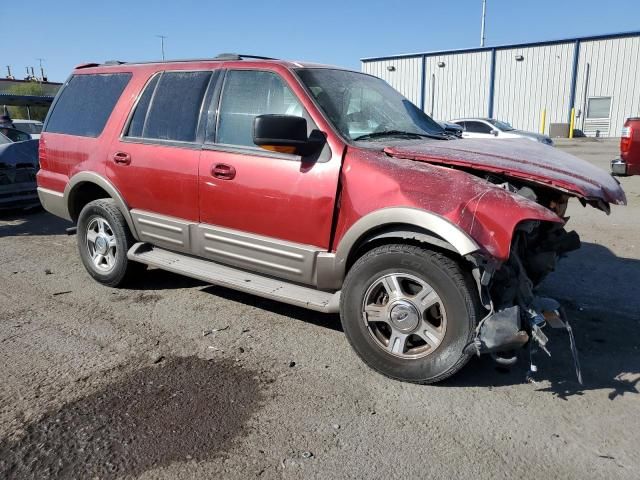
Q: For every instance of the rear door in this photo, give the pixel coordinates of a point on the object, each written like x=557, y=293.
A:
x=154, y=163
x=260, y=209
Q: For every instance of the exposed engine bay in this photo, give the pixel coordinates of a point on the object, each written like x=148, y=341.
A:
x=517, y=315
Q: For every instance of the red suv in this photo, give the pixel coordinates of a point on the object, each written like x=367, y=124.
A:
x=319, y=187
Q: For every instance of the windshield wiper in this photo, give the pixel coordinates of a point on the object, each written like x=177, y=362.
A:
x=397, y=133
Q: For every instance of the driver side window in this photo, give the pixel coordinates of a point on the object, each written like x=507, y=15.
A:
x=247, y=94
x=477, y=127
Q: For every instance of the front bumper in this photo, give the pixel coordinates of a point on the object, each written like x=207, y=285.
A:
x=618, y=167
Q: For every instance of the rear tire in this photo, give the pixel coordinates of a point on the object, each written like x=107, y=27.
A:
x=103, y=242
x=409, y=312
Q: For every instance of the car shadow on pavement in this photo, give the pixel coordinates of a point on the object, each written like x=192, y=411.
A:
x=330, y=321
x=157, y=279
x=35, y=221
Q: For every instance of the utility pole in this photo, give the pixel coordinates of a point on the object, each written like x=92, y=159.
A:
x=162, y=37
x=484, y=15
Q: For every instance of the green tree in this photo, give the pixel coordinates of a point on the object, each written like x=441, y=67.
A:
x=30, y=88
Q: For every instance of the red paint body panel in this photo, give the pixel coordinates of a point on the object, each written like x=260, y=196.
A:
x=488, y=213
x=630, y=147
x=522, y=159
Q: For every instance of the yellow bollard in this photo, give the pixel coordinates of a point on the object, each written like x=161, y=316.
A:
x=572, y=124
x=543, y=121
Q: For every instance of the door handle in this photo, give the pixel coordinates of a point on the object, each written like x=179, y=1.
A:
x=223, y=171
x=122, y=158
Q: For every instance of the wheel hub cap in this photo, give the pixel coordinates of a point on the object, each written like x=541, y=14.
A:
x=101, y=245
x=404, y=316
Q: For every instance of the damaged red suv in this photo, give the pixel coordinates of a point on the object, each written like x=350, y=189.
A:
x=319, y=187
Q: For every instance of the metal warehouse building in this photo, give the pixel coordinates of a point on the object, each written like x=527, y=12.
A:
x=530, y=85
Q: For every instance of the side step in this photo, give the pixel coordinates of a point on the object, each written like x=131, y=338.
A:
x=235, y=279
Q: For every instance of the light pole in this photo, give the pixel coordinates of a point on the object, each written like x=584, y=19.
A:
x=484, y=14
x=162, y=37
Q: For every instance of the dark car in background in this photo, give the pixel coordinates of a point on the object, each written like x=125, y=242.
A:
x=18, y=168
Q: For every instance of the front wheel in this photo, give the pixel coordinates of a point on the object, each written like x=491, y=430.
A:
x=409, y=312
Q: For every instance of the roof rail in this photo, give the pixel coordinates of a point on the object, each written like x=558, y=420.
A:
x=114, y=62
x=240, y=56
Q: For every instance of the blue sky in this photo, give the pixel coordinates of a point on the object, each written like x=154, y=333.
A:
x=69, y=32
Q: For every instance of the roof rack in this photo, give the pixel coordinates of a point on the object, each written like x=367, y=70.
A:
x=221, y=57
x=239, y=56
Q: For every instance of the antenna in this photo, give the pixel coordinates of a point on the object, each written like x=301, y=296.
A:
x=484, y=15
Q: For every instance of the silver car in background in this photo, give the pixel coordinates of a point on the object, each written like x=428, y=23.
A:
x=492, y=128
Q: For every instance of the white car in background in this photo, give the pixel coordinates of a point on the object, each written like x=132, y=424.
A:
x=491, y=128
x=32, y=127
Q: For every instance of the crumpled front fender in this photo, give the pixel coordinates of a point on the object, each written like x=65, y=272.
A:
x=482, y=211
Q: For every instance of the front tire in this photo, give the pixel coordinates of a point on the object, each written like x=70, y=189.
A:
x=409, y=312
x=103, y=241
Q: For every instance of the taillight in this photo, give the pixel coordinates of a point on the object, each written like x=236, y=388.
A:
x=42, y=153
x=625, y=139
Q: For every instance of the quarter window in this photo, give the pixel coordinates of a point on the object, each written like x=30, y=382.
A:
x=85, y=104
x=247, y=94
x=169, y=108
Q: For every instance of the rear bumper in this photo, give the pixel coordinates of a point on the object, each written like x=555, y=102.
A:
x=54, y=202
x=618, y=167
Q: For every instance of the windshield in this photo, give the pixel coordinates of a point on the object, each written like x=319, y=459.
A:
x=4, y=139
x=504, y=126
x=35, y=128
x=362, y=107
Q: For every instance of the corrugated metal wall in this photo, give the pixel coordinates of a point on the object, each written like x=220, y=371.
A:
x=613, y=71
x=607, y=67
x=406, y=78
x=542, y=80
x=460, y=88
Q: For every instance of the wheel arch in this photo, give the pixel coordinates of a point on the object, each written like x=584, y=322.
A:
x=395, y=223
x=84, y=187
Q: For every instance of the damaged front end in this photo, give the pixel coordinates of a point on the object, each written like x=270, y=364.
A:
x=517, y=315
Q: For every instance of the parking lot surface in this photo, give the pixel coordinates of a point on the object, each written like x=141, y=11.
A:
x=174, y=378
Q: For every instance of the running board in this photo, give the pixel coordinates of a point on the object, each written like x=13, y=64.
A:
x=236, y=279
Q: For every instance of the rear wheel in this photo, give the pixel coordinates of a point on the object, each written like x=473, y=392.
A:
x=103, y=241
x=409, y=312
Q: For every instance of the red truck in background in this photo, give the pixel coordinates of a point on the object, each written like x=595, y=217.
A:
x=629, y=161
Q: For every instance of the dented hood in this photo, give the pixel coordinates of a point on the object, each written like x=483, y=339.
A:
x=522, y=159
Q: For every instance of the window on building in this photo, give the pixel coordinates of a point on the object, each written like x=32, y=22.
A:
x=247, y=94
x=599, y=107
x=85, y=104
x=477, y=127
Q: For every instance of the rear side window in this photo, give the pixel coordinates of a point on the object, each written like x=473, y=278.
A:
x=169, y=108
x=85, y=104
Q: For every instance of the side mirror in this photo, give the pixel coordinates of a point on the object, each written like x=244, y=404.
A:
x=495, y=133
x=284, y=134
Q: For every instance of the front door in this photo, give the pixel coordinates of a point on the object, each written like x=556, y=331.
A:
x=265, y=209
